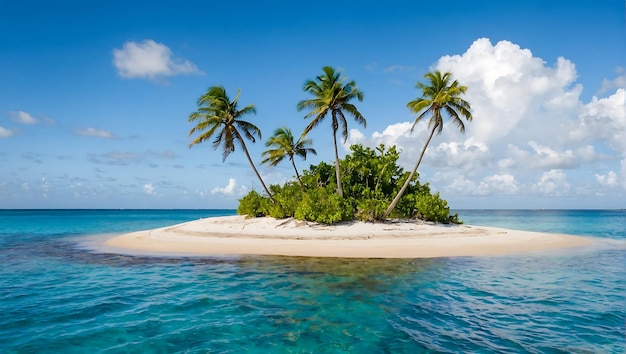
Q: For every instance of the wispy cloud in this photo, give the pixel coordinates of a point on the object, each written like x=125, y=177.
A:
x=23, y=117
x=398, y=69
x=5, y=133
x=93, y=132
x=618, y=82
x=124, y=158
x=150, y=60
x=116, y=158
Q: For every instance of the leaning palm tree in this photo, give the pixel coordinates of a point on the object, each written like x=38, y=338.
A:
x=440, y=95
x=284, y=146
x=332, y=95
x=218, y=116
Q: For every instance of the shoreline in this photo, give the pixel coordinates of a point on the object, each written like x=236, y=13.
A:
x=236, y=235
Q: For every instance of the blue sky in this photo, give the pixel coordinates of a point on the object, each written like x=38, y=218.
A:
x=94, y=96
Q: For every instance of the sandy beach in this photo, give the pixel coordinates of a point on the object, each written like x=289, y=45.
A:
x=237, y=235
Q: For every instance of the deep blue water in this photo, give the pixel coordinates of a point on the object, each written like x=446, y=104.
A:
x=57, y=297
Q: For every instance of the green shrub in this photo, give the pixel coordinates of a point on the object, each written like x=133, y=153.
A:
x=287, y=197
x=371, y=206
x=371, y=178
x=252, y=205
x=431, y=207
x=324, y=206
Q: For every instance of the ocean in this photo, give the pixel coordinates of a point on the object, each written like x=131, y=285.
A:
x=59, y=295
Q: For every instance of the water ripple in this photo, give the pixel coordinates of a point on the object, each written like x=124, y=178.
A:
x=55, y=297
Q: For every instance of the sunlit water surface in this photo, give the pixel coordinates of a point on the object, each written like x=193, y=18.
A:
x=56, y=296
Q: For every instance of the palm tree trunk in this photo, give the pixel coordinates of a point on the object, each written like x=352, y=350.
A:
x=245, y=149
x=293, y=163
x=337, y=173
x=408, y=180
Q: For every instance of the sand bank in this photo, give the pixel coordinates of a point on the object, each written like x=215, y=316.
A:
x=236, y=235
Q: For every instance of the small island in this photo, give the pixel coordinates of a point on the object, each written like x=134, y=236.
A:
x=238, y=235
x=364, y=206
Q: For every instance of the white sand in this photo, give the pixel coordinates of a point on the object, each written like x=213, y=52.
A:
x=236, y=235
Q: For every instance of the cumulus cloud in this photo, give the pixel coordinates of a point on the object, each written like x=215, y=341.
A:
x=93, y=132
x=148, y=189
x=149, y=60
x=508, y=85
x=230, y=189
x=552, y=183
x=5, y=133
x=543, y=157
x=610, y=179
x=529, y=126
x=602, y=119
x=504, y=184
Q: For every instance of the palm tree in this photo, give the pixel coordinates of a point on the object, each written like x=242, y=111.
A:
x=284, y=146
x=332, y=95
x=218, y=116
x=439, y=95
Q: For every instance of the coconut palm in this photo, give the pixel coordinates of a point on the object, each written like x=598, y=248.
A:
x=284, y=146
x=218, y=116
x=331, y=94
x=439, y=95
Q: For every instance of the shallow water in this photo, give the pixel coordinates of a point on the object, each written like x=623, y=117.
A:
x=55, y=296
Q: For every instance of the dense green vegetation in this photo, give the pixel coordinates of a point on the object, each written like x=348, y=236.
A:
x=366, y=182
x=370, y=178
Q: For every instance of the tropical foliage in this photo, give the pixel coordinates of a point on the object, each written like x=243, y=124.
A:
x=332, y=95
x=440, y=94
x=217, y=116
x=283, y=145
x=370, y=178
x=365, y=185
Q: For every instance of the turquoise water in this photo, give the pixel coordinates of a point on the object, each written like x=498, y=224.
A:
x=58, y=297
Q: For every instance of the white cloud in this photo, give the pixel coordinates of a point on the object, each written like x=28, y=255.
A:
x=455, y=184
x=507, y=85
x=5, y=133
x=149, y=60
x=148, y=188
x=469, y=154
x=529, y=125
x=230, y=189
x=93, y=132
x=543, y=157
x=610, y=179
x=25, y=186
x=552, y=183
x=602, y=119
x=504, y=184
x=618, y=82
x=398, y=134
x=23, y=117
x=45, y=186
